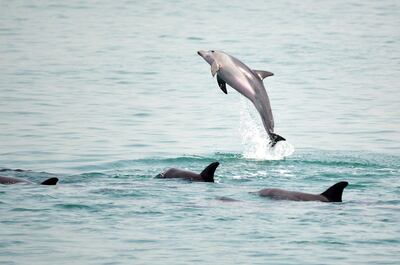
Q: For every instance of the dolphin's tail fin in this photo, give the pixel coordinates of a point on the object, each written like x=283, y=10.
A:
x=50, y=181
x=208, y=173
x=334, y=193
x=275, y=138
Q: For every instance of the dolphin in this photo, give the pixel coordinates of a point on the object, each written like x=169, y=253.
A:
x=207, y=175
x=13, y=180
x=333, y=194
x=247, y=82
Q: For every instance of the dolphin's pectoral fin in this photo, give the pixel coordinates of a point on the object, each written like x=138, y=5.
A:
x=262, y=74
x=334, y=193
x=208, y=173
x=276, y=138
x=222, y=84
x=214, y=68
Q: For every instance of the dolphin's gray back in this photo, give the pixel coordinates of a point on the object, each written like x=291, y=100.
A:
x=179, y=173
x=280, y=194
x=12, y=180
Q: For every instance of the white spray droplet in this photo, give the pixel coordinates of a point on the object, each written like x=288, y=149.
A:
x=255, y=140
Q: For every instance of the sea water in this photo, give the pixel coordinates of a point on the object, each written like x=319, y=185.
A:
x=105, y=95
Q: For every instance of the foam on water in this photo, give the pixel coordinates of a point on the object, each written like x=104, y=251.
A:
x=256, y=144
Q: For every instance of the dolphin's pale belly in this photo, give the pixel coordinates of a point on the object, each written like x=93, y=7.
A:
x=240, y=84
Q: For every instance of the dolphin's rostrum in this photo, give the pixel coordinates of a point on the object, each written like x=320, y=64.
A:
x=247, y=82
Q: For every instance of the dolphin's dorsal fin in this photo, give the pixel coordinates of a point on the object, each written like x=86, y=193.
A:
x=262, y=74
x=214, y=68
x=50, y=181
x=222, y=84
x=334, y=193
x=208, y=173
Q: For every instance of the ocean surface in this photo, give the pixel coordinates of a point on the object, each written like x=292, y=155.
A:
x=105, y=95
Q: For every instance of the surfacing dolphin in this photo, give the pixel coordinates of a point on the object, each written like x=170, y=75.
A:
x=247, y=82
x=207, y=175
x=333, y=194
x=13, y=180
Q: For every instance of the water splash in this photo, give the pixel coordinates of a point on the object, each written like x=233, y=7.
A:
x=255, y=140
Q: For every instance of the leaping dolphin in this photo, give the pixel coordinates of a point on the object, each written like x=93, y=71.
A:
x=332, y=194
x=247, y=82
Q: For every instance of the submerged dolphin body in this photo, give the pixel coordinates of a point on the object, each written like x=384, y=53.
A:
x=333, y=194
x=247, y=82
x=13, y=180
x=207, y=175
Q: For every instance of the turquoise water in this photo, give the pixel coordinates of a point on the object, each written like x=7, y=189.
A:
x=107, y=95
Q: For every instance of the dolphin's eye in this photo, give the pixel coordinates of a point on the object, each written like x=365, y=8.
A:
x=212, y=51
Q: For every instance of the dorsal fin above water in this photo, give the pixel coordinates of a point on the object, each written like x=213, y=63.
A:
x=50, y=181
x=208, y=173
x=222, y=84
x=262, y=74
x=334, y=193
